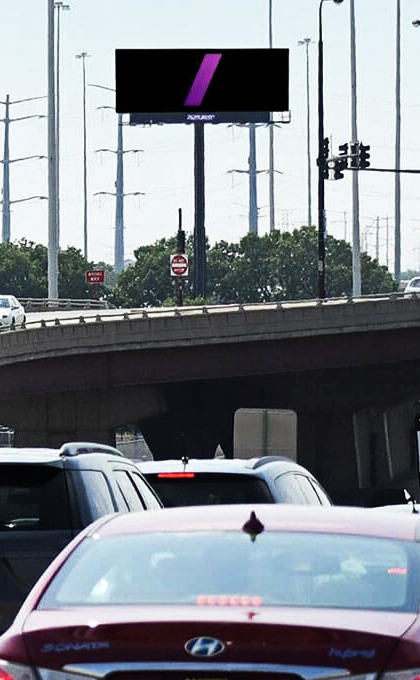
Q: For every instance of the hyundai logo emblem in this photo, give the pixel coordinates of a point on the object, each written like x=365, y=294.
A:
x=204, y=646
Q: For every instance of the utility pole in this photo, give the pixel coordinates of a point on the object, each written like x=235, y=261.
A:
x=119, y=186
x=59, y=5
x=252, y=172
x=271, y=133
x=119, y=216
x=306, y=42
x=83, y=56
x=6, y=162
x=322, y=231
x=119, y=194
x=253, y=205
x=397, y=180
x=357, y=278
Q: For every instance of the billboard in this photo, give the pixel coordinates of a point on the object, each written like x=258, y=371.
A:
x=209, y=85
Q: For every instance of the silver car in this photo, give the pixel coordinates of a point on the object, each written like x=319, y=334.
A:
x=11, y=311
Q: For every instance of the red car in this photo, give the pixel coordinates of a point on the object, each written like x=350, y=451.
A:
x=239, y=592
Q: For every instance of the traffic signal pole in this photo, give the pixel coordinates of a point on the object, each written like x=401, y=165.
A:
x=179, y=282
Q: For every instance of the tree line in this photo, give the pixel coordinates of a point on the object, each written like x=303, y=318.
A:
x=273, y=267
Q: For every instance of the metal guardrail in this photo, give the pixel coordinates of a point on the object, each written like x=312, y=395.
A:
x=50, y=304
x=100, y=310
x=116, y=313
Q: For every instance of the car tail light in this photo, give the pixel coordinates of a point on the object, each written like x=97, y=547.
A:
x=175, y=475
x=409, y=674
x=49, y=674
x=15, y=671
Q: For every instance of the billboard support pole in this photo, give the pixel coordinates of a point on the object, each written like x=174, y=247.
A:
x=199, y=224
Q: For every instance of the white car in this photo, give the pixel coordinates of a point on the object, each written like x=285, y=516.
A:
x=413, y=287
x=11, y=311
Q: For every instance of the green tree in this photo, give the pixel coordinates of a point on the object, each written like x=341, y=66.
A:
x=148, y=282
x=24, y=272
x=21, y=269
x=275, y=266
x=72, y=267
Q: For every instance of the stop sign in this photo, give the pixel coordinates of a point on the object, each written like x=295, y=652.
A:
x=179, y=264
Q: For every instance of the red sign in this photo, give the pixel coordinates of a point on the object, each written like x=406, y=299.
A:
x=95, y=276
x=179, y=265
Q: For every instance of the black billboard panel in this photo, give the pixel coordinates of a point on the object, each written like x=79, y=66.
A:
x=185, y=85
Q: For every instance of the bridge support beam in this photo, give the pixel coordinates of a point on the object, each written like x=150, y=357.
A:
x=51, y=419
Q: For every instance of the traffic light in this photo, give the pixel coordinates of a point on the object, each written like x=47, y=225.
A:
x=341, y=161
x=339, y=165
x=364, y=156
x=326, y=155
x=181, y=241
x=354, y=155
x=344, y=150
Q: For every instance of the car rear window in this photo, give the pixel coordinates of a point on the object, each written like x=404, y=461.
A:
x=190, y=488
x=33, y=497
x=295, y=569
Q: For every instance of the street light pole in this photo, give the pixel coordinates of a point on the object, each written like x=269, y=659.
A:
x=83, y=56
x=52, y=164
x=59, y=5
x=321, y=161
x=307, y=42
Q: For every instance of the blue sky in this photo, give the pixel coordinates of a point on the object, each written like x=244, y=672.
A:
x=162, y=167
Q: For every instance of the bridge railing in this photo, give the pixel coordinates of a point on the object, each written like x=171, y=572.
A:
x=45, y=304
x=91, y=311
x=51, y=304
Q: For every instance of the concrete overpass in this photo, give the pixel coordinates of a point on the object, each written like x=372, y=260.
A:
x=350, y=368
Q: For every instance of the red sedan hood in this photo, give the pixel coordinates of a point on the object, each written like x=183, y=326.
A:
x=145, y=637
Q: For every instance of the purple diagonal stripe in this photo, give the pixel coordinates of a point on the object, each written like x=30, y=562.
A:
x=202, y=80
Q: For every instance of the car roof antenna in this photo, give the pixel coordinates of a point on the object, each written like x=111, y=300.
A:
x=184, y=457
x=253, y=526
x=184, y=461
x=410, y=499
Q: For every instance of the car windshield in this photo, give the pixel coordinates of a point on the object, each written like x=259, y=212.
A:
x=203, y=488
x=4, y=302
x=232, y=568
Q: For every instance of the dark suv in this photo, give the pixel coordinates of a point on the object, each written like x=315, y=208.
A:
x=270, y=479
x=47, y=496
